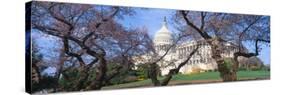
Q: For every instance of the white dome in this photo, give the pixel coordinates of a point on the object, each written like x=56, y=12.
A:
x=163, y=36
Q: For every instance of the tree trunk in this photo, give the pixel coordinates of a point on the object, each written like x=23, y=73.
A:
x=100, y=76
x=167, y=79
x=83, y=78
x=228, y=76
x=225, y=73
x=153, y=74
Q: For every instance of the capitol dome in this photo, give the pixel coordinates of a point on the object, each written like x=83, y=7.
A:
x=163, y=36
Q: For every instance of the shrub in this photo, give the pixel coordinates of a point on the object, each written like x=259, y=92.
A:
x=142, y=71
x=196, y=70
x=228, y=64
x=242, y=69
x=131, y=78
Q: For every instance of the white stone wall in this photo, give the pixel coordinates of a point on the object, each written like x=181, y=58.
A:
x=201, y=60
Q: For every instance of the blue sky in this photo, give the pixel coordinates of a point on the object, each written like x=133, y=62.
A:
x=265, y=55
x=153, y=19
x=150, y=18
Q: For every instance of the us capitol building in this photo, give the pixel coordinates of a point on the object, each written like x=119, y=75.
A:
x=201, y=61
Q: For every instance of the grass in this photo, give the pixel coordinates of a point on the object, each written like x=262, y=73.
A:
x=205, y=77
x=215, y=75
x=200, y=76
x=253, y=74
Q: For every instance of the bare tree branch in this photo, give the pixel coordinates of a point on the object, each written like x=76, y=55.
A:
x=188, y=22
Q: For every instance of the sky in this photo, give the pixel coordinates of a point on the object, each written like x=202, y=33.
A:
x=153, y=19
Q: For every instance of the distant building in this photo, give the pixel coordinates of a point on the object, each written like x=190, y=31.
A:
x=199, y=62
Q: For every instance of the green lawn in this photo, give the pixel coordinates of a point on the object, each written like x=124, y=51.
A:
x=215, y=75
x=195, y=78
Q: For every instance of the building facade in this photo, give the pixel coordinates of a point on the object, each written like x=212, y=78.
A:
x=201, y=61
